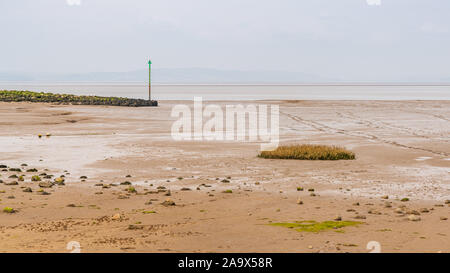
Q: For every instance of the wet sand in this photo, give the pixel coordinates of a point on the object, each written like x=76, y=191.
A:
x=402, y=149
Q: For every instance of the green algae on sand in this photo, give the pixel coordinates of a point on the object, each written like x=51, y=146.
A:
x=313, y=226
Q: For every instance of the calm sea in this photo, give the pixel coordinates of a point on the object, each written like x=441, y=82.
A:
x=244, y=92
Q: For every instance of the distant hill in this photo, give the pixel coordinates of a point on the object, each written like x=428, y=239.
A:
x=168, y=75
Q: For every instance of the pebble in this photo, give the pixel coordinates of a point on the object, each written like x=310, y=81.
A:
x=413, y=218
x=399, y=210
x=443, y=218
x=168, y=203
x=45, y=184
x=414, y=212
x=300, y=202
x=116, y=216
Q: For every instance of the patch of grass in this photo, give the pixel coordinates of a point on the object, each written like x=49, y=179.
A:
x=148, y=211
x=8, y=210
x=131, y=190
x=313, y=226
x=308, y=152
x=35, y=178
x=29, y=96
x=228, y=191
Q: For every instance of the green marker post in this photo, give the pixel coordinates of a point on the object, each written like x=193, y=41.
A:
x=149, y=80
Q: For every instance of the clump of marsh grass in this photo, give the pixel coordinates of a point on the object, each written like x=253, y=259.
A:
x=308, y=152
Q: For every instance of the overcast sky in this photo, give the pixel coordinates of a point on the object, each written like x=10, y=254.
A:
x=346, y=39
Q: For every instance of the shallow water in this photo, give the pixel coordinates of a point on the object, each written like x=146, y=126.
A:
x=244, y=92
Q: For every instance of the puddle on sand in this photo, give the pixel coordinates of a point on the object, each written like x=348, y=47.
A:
x=423, y=158
x=70, y=153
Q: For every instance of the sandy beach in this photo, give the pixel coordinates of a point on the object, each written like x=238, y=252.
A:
x=402, y=151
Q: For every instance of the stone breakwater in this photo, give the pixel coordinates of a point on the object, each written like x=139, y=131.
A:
x=29, y=96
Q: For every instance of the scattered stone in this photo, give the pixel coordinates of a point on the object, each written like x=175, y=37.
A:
x=32, y=170
x=126, y=183
x=413, y=212
x=312, y=194
x=185, y=189
x=356, y=204
x=15, y=170
x=424, y=210
x=135, y=227
x=225, y=181
x=59, y=180
x=399, y=211
x=300, y=202
x=360, y=217
x=404, y=199
x=300, y=189
x=41, y=192
x=161, y=188
x=374, y=212
x=12, y=183
x=413, y=218
x=11, y=197
x=116, y=216
x=447, y=202
x=45, y=184
x=128, y=176
x=123, y=197
x=168, y=193
x=385, y=197
x=310, y=189
x=168, y=203
x=71, y=206
x=28, y=190
x=14, y=176
x=443, y=218
x=83, y=177
x=387, y=205
x=339, y=218
x=99, y=185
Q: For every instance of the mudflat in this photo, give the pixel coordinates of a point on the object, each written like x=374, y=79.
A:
x=129, y=187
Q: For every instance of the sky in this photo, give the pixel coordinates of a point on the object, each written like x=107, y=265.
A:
x=339, y=39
